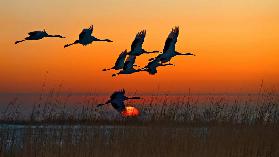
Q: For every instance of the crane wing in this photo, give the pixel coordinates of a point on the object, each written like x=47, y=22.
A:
x=118, y=94
x=121, y=59
x=171, y=40
x=86, y=32
x=129, y=63
x=34, y=33
x=138, y=41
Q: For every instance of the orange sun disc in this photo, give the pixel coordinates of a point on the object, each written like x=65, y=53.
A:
x=130, y=112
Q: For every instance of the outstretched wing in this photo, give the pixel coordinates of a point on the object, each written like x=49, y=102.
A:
x=121, y=59
x=86, y=32
x=129, y=63
x=171, y=40
x=118, y=94
x=34, y=33
x=138, y=41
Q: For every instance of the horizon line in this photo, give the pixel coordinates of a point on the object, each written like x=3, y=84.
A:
x=2, y=94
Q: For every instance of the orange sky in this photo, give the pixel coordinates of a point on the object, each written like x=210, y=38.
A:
x=236, y=43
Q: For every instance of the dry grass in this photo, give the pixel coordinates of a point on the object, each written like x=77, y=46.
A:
x=218, y=127
x=55, y=108
x=79, y=141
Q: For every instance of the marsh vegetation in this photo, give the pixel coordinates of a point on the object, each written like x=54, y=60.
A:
x=167, y=126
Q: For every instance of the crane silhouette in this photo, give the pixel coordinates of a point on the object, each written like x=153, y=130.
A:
x=37, y=35
x=86, y=38
x=119, y=64
x=136, y=47
x=117, y=100
x=169, y=49
x=151, y=67
x=128, y=67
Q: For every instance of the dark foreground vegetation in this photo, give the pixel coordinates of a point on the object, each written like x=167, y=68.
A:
x=217, y=127
x=88, y=141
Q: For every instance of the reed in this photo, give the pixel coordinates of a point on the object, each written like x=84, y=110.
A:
x=185, y=126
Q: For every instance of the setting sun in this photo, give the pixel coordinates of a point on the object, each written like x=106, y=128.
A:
x=130, y=112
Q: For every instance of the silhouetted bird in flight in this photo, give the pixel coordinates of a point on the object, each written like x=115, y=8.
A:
x=136, y=47
x=117, y=100
x=119, y=64
x=85, y=38
x=37, y=35
x=169, y=48
x=151, y=67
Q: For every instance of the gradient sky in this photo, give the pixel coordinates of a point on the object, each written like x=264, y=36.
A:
x=236, y=43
